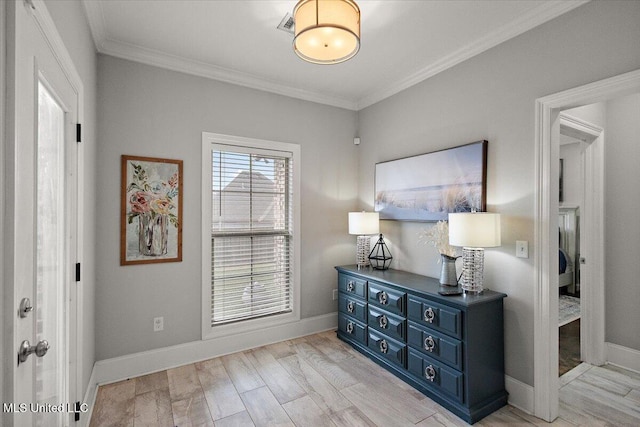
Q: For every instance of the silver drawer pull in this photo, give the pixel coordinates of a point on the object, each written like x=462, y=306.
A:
x=429, y=315
x=383, y=298
x=382, y=320
x=350, y=327
x=351, y=306
x=430, y=373
x=429, y=344
x=384, y=347
x=350, y=286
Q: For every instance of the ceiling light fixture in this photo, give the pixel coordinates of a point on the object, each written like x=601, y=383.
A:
x=326, y=31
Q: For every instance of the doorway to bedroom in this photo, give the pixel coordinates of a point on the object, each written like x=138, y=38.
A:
x=574, y=170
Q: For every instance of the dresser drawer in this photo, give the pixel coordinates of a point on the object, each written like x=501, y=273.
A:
x=387, y=323
x=436, y=374
x=352, y=285
x=352, y=306
x=436, y=345
x=387, y=298
x=436, y=316
x=387, y=348
x=351, y=327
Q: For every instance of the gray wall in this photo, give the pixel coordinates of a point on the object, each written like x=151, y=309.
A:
x=153, y=112
x=622, y=228
x=492, y=96
x=71, y=23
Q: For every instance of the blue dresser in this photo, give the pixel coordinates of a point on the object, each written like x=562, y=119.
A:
x=450, y=348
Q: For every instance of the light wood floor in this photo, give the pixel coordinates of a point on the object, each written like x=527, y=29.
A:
x=320, y=381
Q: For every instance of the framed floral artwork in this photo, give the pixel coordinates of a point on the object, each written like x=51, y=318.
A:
x=151, y=210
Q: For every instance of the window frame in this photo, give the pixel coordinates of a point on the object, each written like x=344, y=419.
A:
x=209, y=142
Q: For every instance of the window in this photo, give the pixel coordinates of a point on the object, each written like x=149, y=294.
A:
x=250, y=238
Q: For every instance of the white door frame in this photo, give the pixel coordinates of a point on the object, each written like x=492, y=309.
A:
x=547, y=127
x=4, y=305
x=592, y=345
x=9, y=338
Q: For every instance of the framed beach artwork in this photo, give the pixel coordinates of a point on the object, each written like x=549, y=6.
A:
x=429, y=186
x=150, y=210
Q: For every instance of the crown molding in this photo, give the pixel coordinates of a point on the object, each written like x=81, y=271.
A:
x=538, y=16
x=95, y=16
x=105, y=45
x=202, y=69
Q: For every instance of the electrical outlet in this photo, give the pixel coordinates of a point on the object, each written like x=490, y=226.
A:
x=335, y=294
x=158, y=324
x=522, y=249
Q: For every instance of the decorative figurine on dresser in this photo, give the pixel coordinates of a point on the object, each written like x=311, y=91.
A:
x=451, y=348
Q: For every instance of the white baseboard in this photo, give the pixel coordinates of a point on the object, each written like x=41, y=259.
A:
x=520, y=394
x=624, y=357
x=147, y=362
x=89, y=399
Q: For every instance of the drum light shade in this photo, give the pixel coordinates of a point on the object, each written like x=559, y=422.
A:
x=361, y=223
x=476, y=230
x=326, y=31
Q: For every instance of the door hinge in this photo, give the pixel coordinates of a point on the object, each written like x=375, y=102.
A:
x=76, y=412
x=77, y=272
x=78, y=132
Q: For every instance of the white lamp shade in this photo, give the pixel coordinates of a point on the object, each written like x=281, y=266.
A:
x=326, y=31
x=361, y=223
x=474, y=230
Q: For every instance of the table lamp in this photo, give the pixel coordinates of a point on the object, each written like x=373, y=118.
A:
x=474, y=231
x=363, y=224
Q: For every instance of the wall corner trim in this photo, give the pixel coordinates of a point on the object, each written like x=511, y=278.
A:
x=89, y=399
x=146, y=362
x=520, y=394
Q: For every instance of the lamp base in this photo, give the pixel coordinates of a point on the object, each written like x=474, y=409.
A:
x=363, y=245
x=472, y=270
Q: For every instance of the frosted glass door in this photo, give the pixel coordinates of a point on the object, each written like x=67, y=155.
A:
x=50, y=255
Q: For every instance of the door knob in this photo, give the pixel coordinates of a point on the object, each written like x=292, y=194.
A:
x=26, y=349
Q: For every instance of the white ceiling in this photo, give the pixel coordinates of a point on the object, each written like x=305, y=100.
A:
x=402, y=42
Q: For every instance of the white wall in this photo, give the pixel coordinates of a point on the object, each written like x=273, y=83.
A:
x=153, y=112
x=492, y=96
x=622, y=227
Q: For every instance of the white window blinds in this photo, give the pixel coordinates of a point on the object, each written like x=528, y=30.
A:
x=251, y=233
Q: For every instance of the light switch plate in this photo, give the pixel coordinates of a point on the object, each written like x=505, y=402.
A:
x=522, y=249
x=158, y=324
